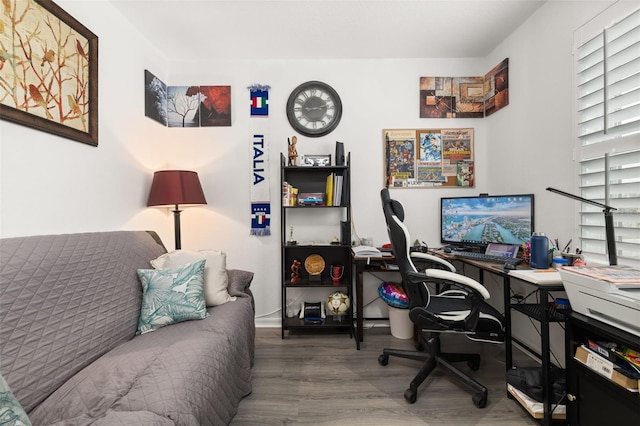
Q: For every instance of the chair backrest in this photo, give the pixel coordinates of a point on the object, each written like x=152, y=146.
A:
x=399, y=236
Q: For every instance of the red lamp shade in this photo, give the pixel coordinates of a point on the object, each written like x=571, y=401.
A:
x=174, y=187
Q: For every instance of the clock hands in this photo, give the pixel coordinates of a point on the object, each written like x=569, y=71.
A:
x=318, y=108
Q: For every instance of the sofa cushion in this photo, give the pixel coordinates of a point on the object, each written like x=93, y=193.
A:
x=171, y=295
x=215, y=271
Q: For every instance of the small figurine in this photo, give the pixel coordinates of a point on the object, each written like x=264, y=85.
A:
x=295, y=271
x=293, y=152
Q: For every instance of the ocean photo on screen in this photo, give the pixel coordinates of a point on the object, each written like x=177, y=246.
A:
x=504, y=219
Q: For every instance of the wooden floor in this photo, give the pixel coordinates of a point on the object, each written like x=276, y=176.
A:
x=321, y=379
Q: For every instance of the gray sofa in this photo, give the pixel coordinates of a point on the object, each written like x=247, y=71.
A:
x=69, y=309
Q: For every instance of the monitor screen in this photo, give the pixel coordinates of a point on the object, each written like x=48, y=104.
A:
x=478, y=221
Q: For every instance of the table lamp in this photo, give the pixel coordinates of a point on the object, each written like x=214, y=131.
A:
x=176, y=187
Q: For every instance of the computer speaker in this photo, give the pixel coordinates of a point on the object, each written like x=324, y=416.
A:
x=339, y=154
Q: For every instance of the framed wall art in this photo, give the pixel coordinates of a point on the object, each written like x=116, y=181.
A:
x=427, y=158
x=49, y=72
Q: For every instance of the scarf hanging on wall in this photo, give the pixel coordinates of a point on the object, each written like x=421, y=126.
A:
x=259, y=124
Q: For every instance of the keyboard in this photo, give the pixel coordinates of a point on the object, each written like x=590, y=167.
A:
x=486, y=257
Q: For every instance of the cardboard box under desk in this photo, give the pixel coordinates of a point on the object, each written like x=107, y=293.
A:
x=605, y=368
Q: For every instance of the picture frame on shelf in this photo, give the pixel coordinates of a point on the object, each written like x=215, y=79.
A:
x=315, y=160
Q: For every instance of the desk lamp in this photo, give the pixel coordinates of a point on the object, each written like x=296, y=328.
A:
x=608, y=223
x=176, y=187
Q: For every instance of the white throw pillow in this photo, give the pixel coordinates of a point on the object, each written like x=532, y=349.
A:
x=215, y=271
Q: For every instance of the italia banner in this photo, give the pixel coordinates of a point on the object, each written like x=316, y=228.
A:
x=260, y=197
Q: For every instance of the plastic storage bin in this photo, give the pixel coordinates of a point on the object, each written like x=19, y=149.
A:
x=401, y=325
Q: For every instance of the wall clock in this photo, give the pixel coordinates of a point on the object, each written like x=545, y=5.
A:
x=314, y=109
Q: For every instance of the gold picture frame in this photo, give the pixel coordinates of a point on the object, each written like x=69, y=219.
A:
x=49, y=76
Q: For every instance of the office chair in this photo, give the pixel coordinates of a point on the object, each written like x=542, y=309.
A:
x=459, y=308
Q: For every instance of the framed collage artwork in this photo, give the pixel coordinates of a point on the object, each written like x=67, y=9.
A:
x=427, y=158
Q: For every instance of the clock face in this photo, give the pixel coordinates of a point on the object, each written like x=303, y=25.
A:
x=314, y=109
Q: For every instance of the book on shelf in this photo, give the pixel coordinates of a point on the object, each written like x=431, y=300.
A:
x=337, y=190
x=334, y=189
x=329, y=190
x=289, y=194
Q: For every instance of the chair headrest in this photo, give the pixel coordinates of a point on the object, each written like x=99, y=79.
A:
x=395, y=205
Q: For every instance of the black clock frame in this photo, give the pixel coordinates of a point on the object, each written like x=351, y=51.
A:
x=337, y=108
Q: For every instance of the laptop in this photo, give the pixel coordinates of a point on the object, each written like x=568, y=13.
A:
x=502, y=250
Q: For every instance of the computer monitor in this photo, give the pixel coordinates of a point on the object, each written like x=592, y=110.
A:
x=477, y=221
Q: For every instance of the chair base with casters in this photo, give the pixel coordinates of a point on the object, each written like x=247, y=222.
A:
x=435, y=358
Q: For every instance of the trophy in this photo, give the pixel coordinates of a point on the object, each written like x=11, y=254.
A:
x=336, y=273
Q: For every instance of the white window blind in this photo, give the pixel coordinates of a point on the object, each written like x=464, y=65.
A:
x=608, y=129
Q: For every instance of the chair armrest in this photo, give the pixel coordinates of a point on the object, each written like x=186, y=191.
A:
x=420, y=257
x=452, y=277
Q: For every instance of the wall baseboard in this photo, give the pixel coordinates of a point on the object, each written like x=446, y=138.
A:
x=277, y=323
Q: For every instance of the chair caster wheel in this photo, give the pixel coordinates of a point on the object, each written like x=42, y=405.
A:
x=383, y=359
x=474, y=364
x=419, y=346
x=410, y=395
x=479, y=400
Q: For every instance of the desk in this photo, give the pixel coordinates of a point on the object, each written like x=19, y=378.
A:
x=360, y=265
x=544, y=283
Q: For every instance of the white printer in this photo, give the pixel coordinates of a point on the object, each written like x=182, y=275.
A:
x=610, y=294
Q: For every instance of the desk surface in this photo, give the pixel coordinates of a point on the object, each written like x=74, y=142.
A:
x=549, y=277
x=538, y=276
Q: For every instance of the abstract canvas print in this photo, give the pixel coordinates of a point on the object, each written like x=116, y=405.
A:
x=496, y=88
x=183, y=103
x=155, y=98
x=465, y=97
x=215, y=106
x=451, y=97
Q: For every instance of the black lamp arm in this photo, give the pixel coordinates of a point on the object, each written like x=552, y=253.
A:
x=608, y=223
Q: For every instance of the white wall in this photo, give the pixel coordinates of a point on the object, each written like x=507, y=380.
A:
x=375, y=95
x=53, y=185
x=530, y=143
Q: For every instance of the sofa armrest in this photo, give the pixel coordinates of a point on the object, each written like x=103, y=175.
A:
x=239, y=282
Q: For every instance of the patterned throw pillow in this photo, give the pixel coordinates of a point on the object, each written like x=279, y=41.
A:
x=171, y=296
x=11, y=412
x=215, y=272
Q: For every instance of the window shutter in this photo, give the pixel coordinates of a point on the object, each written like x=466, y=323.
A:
x=608, y=129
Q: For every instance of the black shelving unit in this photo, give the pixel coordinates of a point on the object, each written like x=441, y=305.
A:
x=312, y=179
x=593, y=398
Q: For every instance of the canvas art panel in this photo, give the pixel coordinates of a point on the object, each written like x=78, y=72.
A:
x=496, y=88
x=215, y=106
x=183, y=103
x=155, y=98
